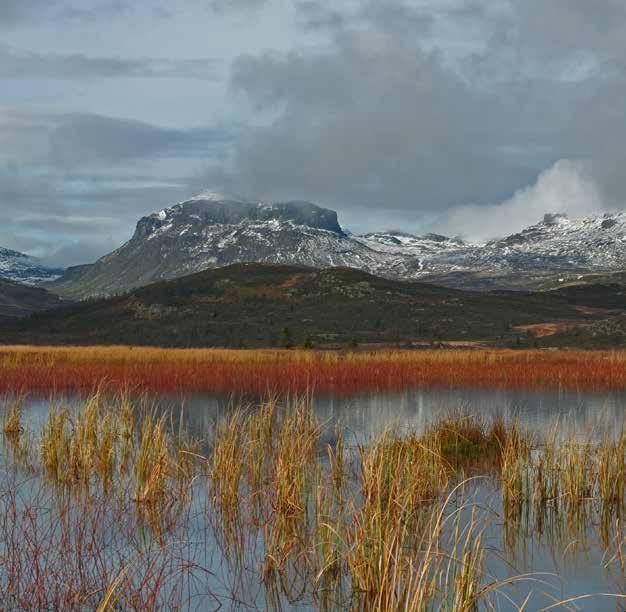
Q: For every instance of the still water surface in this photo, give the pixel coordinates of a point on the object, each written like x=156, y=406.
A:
x=370, y=414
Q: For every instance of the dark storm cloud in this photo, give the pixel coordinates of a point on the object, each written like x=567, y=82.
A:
x=372, y=121
x=92, y=139
x=12, y=11
x=569, y=25
x=17, y=65
x=316, y=15
x=396, y=16
x=386, y=116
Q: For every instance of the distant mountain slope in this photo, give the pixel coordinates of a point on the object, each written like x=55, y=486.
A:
x=18, y=300
x=212, y=231
x=272, y=305
x=402, y=243
x=24, y=269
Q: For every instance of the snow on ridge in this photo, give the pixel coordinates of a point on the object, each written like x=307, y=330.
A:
x=557, y=237
x=25, y=269
x=189, y=241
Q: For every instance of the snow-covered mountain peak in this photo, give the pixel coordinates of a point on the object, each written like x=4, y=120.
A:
x=591, y=243
x=198, y=214
x=206, y=232
x=208, y=197
x=25, y=269
x=559, y=222
x=9, y=253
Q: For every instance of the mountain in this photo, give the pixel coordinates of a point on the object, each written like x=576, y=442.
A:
x=18, y=300
x=596, y=243
x=272, y=305
x=212, y=230
x=556, y=249
x=24, y=269
x=209, y=231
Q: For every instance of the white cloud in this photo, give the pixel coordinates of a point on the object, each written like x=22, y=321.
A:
x=567, y=187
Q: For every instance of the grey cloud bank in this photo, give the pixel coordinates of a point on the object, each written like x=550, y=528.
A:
x=377, y=120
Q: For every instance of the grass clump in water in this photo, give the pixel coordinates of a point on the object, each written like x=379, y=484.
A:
x=12, y=419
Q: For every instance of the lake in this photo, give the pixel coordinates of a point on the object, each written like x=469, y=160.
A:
x=563, y=561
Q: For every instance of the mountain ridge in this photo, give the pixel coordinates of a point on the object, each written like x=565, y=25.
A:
x=22, y=268
x=207, y=231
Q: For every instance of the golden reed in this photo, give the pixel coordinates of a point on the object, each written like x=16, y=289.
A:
x=82, y=369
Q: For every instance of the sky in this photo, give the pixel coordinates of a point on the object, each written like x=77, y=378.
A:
x=467, y=117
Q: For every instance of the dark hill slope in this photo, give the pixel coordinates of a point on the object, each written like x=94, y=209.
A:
x=18, y=300
x=272, y=305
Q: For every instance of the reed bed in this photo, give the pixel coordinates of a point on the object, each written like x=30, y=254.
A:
x=122, y=509
x=387, y=525
x=296, y=371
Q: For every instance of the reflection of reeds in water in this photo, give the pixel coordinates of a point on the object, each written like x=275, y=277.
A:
x=384, y=525
x=381, y=531
x=226, y=475
x=564, y=487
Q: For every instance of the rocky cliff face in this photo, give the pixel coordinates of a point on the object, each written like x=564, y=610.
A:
x=199, y=213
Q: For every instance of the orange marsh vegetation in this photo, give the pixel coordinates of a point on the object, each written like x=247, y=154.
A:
x=66, y=369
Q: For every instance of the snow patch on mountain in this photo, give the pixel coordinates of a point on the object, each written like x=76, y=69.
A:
x=408, y=244
x=24, y=269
